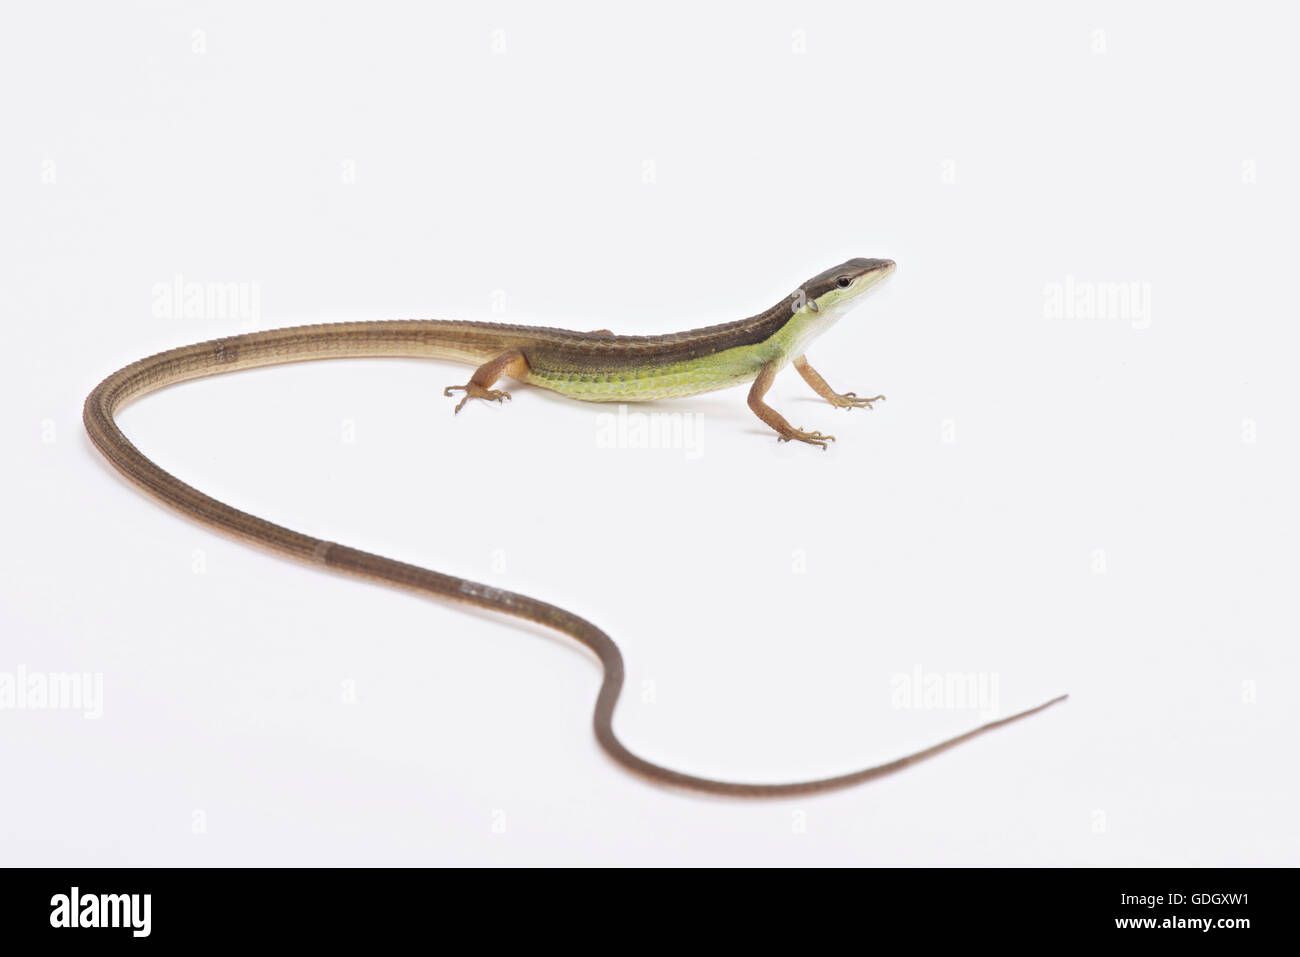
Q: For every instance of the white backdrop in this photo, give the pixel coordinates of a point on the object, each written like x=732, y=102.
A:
x=1083, y=479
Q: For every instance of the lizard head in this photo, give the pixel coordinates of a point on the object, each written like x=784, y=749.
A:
x=835, y=288
x=816, y=305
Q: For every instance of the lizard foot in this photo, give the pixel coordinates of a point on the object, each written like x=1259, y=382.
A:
x=474, y=391
x=812, y=438
x=850, y=400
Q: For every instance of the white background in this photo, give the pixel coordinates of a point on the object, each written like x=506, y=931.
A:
x=1114, y=516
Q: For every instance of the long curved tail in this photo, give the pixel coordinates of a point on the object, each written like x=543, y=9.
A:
x=466, y=342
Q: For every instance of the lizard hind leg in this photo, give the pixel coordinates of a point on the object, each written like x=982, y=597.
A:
x=512, y=364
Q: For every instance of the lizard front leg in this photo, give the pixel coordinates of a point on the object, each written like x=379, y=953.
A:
x=785, y=432
x=479, y=386
x=846, y=400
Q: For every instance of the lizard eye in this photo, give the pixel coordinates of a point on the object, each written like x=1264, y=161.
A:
x=843, y=282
